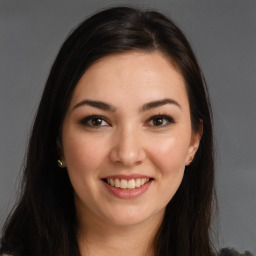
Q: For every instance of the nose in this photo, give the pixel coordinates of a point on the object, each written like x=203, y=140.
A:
x=127, y=148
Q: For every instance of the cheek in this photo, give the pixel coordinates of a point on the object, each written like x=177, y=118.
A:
x=169, y=156
x=169, y=160
x=83, y=154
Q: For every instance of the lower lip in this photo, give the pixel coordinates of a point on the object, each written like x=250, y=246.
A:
x=128, y=193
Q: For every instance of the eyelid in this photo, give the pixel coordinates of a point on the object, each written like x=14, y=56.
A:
x=169, y=119
x=85, y=120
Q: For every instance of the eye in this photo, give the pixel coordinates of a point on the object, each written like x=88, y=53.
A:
x=94, y=121
x=160, y=120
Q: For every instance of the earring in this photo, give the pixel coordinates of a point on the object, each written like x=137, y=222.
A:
x=60, y=164
x=190, y=160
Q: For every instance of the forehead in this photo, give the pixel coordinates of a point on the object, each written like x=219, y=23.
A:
x=133, y=77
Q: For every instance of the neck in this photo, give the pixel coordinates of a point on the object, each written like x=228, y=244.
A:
x=98, y=237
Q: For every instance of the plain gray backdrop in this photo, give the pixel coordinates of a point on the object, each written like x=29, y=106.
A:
x=223, y=36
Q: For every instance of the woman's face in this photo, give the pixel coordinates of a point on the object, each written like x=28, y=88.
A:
x=127, y=137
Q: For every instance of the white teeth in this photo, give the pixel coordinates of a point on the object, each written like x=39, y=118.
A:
x=117, y=183
x=127, y=184
x=112, y=182
x=138, y=183
x=124, y=183
x=131, y=183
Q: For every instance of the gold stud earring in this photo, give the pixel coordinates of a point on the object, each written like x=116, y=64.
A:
x=190, y=160
x=60, y=164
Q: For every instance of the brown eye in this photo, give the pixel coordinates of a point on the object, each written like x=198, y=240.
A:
x=160, y=120
x=94, y=121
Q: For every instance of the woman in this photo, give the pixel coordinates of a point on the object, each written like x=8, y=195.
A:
x=120, y=159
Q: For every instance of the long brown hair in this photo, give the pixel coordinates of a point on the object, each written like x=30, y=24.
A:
x=44, y=220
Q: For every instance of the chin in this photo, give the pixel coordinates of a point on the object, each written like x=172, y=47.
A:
x=132, y=216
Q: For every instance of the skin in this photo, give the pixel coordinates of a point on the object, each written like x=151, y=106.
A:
x=127, y=141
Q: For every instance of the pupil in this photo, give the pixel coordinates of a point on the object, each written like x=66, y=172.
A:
x=158, y=121
x=96, y=121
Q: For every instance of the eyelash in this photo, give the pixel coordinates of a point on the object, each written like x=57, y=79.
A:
x=169, y=120
x=90, y=118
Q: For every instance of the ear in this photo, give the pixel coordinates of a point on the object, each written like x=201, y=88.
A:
x=60, y=151
x=194, y=143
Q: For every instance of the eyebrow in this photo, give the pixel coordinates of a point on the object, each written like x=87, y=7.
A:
x=96, y=104
x=145, y=107
x=158, y=103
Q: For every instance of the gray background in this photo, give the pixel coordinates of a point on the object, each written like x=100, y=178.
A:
x=223, y=35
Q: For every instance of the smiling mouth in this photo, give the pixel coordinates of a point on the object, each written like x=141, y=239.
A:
x=125, y=184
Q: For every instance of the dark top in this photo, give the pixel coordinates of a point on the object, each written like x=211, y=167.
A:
x=232, y=252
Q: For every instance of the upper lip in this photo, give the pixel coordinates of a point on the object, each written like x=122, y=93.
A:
x=127, y=177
